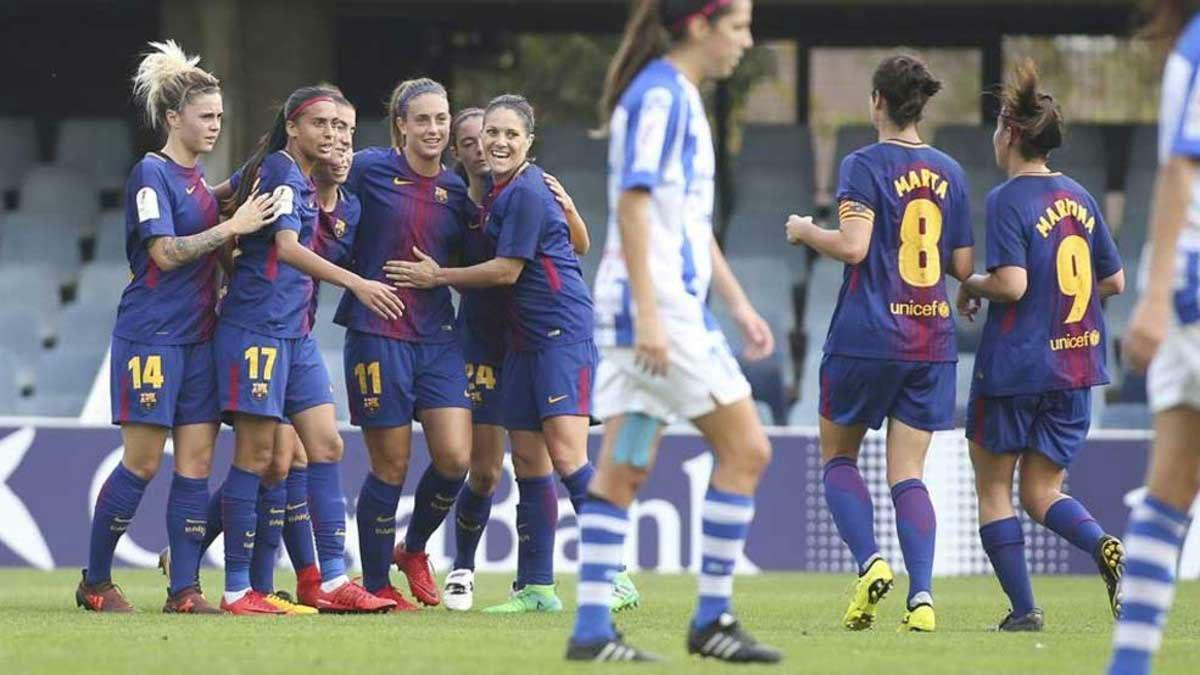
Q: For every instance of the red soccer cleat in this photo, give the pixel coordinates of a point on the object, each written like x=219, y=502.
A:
x=392, y=593
x=350, y=598
x=252, y=603
x=101, y=597
x=419, y=571
x=189, y=601
x=308, y=585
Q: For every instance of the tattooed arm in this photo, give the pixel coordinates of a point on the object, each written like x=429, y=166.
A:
x=170, y=253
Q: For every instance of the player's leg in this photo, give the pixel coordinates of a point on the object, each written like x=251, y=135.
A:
x=187, y=516
x=1001, y=535
x=272, y=519
x=1154, y=537
x=916, y=524
x=388, y=452
x=254, y=445
x=846, y=493
x=297, y=527
x=473, y=509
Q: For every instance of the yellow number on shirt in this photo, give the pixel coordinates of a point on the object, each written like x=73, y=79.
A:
x=920, y=233
x=1075, y=275
x=267, y=355
x=485, y=377
x=151, y=374
x=363, y=371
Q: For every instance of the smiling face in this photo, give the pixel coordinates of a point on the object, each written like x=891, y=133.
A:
x=506, y=142
x=426, y=126
x=312, y=134
x=198, y=125
x=344, y=128
x=468, y=146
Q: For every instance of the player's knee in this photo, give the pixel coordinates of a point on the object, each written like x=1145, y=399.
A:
x=453, y=464
x=391, y=470
x=566, y=463
x=277, y=471
x=1036, y=499
x=142, y=467
x=484, y=481
x=755, y=457
x=327, y=449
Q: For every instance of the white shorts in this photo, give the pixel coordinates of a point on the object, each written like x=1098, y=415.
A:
x=1174, y=377
x=702, y=374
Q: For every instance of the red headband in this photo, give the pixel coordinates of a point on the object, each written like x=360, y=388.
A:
x=705, y=11
x=300, y=108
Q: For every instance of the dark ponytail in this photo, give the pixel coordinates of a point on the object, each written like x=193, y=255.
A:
x=276, y=139
x=905, y=85
x=1031, y=113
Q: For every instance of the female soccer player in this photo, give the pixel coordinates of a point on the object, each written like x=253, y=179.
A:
x=269, y=365
x=890, y=353
x=410, y=365
x=163, y=380
x=547, y=371
x=1050, y=261
x=1164, y=335
x=664, y=355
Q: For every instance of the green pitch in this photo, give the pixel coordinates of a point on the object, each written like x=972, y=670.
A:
x=41, y=631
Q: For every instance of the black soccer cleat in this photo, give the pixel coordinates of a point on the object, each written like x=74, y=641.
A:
x=1110, y=560
x=615, y=649
x=1032, y=622
x=725, y=640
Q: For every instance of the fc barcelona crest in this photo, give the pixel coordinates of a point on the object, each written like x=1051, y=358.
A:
x=148, y=400
x=371, y=406
x=339, y=228
x=441, y=195
x=258, y=390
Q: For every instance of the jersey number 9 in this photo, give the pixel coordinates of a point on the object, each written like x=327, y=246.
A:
x=920, y=234
x=1075, y=275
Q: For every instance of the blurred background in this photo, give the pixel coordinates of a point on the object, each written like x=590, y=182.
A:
x=69, y=134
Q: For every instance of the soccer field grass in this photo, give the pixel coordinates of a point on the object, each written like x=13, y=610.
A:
x=41, y=631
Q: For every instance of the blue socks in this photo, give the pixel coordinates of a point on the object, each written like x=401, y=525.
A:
x=1071, y=521
x=577, y=485
x=916, y=527
x=471, y=517
x=537, y=521
x=849, y=502
x=297, y=527
x=434, y=498
x=271, y=509
x=215, y=525
x=602, y=530
x=115, y=506
x=238, y=500
x=327, y=507
x=1005, y=546
x=1152, y=543
x=376, y=516
x=725, y=521
x=187, y=527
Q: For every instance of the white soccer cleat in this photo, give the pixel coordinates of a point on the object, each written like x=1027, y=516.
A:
x=458, y=593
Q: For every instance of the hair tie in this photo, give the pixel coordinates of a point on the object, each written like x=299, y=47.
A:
x=312, y=101
x=706, y=11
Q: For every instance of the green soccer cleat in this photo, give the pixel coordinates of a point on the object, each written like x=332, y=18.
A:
x=532, y=598
x=871, y=587
x=625, y=595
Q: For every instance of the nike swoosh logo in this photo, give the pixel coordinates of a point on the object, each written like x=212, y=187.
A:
x=384, y=519
x=190, y=190
x=555, y=399
x=401, y=183
x=249, y=534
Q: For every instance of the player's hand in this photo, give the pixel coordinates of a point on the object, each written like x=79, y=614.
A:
x=760, y=343
x=253, y=214
x=650, y=346
x=1147, y=329
x=421, y=273
x=560, y=194
x=967, y=303
x=797, y=227
x=379, y=298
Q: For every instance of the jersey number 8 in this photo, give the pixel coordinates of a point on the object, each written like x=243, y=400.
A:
x=920, y=233
x=1075, y=275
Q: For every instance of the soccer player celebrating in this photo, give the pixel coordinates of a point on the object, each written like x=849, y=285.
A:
x=664, y=355
x=269, y=365
x=163, y=380
x=413, y=365
x=890, y=353
x=1050, y=260
x=1164, y=335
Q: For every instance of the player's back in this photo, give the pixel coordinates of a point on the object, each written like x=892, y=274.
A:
x=893, y=304
x=1050, y=226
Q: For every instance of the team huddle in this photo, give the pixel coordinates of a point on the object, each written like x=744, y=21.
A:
x=215, y=326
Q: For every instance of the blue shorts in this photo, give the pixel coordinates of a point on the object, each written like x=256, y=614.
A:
x=389, y=380
x=269, y=376
x=868, y=391
x=548, y=383
x=484, y=367
x=1054, y=423
x=163, y=385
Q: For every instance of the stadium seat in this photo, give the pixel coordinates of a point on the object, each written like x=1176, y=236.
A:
x=110, y=237
x=773, y=178
x=86, y=328
x=48, y=239
x=19, y=140
x=9, y=384
x=102, y=283
x=334, y=364
x=59, y=191
x=971, y=146
x=65, y=373
x=100, y=148
x=849, y=138
x=24, y=330
x=51, y=405
x=372, y=131
x=29, y=284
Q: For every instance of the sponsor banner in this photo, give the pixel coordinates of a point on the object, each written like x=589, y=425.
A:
x=50, y=476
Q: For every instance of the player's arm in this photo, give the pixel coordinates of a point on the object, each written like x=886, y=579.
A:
x=223, y=191
x=1003, y=284
x=962, y=262
x=1112, y=285
x=170, y=252
x=848, y=244
x=581, y=241
x=378, y=297
x=425, y=272
x=633, y=222
x=759, y=341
